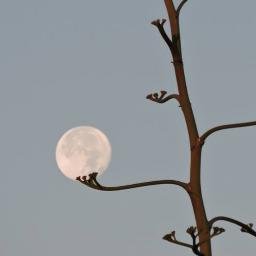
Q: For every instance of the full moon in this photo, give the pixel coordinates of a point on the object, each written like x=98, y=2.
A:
x=83, y=150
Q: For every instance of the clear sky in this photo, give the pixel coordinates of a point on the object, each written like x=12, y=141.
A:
x=70, y=63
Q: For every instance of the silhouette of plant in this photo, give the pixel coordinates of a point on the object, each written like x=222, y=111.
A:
x=204, y=230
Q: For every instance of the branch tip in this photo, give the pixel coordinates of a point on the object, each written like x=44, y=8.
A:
x=163, y=22
x=155, y=95
x=171, y=237
x=243, y=229
x=160, y=98
x=158, y=22
x=155, y=22
x=191, y=230
x=247, y=228
x=217, y=231
x=160, y=25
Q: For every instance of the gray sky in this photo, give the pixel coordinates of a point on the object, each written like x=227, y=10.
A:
x=70, y=63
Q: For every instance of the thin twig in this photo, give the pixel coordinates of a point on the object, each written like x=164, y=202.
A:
x=180, y=6
x=226, y=126
x=93, y=183
x=244, y=227
x=88, y=183
x=172, y=239
x=160, y=25
x=162, y=98
x=195, y=247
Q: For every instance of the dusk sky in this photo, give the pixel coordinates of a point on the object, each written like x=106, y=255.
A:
x=71, y=63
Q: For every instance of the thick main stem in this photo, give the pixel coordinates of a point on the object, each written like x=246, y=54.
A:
x=197, y=201
x=195, y=192
x=195, y=161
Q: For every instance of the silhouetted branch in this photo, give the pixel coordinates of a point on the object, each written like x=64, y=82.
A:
x=93, y=183
x=161, y=98
x=88, y=182
x=180, y=6
x=192, y=231
x=250, y=225
x=195, y=247
x=160, y=25
x=172, y=239
x=244, y=227
x=226, y=126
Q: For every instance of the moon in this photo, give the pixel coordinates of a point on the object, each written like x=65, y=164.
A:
x=83, y=150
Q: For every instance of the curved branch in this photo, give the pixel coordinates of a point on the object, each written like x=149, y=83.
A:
x=93, y=183
x=162, y=99
x=226, y=126
x=180, y=6
x=244, y=227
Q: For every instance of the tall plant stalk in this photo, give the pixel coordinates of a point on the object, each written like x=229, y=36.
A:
x=194, y=184
x=204, y=230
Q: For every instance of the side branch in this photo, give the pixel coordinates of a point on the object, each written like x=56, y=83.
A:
x=93, y=183
x=226, y=126
x=192, y=232
x=244, y=227
x=180, y=6
x=160, y=25
x=172, y=239
x=162, y=98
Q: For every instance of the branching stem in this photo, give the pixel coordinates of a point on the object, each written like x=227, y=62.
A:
x=193, y=188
